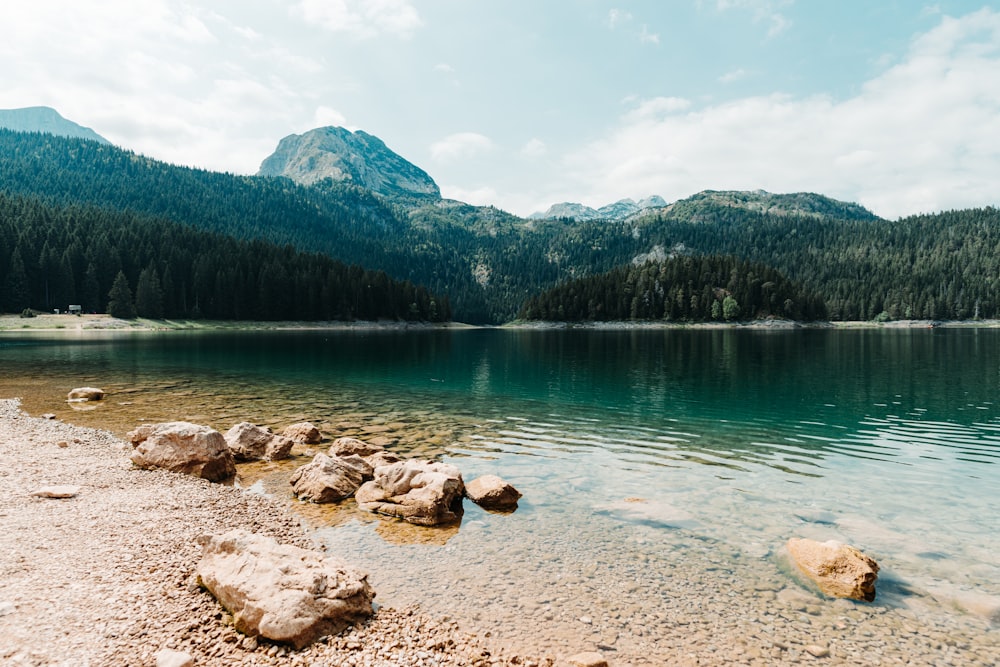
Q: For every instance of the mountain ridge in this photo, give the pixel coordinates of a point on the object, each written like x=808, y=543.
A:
x=46, y=120
x=342, y=155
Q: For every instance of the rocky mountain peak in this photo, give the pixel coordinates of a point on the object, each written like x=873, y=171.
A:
x=619, y=210
x=48, y=120
x=357, y=157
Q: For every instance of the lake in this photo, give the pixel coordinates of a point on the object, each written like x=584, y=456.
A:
x=662, y=472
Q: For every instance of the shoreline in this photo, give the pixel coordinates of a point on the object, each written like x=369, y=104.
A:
x=48, y=322
x=127, y=589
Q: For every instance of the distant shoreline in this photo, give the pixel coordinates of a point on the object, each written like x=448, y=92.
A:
x=98, y=322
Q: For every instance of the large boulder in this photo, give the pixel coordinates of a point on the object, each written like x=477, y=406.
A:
x=85, y=394
x=250, y=442
x=327, y=479
x=421, y=492
x=303, y=432
x=838, y=569
x=183, y=447
x=281, y=592
x=492, y=493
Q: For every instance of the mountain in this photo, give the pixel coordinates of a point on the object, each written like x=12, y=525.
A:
x=48, y=120
x=341, y=155
x=620, y=210
x=806, y=204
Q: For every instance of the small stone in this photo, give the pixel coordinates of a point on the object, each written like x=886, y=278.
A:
x=817, y=651
x=170, y=658
x=586, y=620
x=48, y=415
x=63, y=444
x=56, y=492
x=7, y=607
x=249, y=644
x=590, y=659
x=85, y=394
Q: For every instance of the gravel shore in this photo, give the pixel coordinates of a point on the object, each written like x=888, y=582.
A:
x=106, y=577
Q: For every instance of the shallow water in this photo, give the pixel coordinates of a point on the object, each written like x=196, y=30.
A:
x=662, y=471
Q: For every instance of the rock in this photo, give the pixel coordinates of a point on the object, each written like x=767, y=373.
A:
x=48, y=415
x=62, y=444
x=838, y=569
x=281, y=592
x=421, y=492
x=250, y=442
x=589, y=659
x=327, y=479
x=85, y=394
x=348, y=446
x=183, y=447
x=303, y=432
x=817, y=651
x=379, y=459
x=7, y=607
x=170, y=658
x=492, y=493
x=56, y=491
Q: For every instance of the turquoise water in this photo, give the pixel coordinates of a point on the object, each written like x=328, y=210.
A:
x=640, y=453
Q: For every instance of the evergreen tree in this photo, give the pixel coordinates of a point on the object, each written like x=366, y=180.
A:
x=17, y=295
x=148, y=294
x=120, y=299
x=90, y=299
x=730, y=308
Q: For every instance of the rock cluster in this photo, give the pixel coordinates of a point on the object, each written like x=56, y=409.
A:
x=426, y=493
x=282, y=592
x=328, y=479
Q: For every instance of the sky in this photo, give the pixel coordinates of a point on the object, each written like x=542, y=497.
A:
x=520, y=104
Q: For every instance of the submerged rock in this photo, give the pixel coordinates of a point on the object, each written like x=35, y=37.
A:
x=327, y=479
x=421, y=492
x=281, y=592
x=838, y=569
x=85, y=394
x=348, y=446
x=250, y=442
x=183, y=447
x=492, y=493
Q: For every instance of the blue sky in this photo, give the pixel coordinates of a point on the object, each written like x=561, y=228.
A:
x=522, y=103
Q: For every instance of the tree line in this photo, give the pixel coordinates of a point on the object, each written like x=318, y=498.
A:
x=680, y=289
x=129, y=264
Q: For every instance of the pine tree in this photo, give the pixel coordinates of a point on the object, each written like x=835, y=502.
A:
x=16, y=295
x=149, y=294
x=120, y=299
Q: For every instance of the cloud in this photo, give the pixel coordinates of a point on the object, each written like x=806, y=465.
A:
x=325, y=117
x=922, y=136
x=647, y=37
x=460, y=146
x=616, y=17
x=733, y=76
x=764, y=11
x=481, y=196
x=362, y=18
x=444, y=67
x=534, y=148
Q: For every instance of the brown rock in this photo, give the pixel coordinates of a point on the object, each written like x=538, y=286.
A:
x=183, y=447
x=421, y=492
x=838, y=569
x=56, y=492
x=303, y=432
x=250, y=442
x=348, y=446
x=85, y=394
x=379, y=459
x=282, y=592
x=492, y=493
x=817, y=651
x=589, y=659
x=170, y=658
x=327, y=479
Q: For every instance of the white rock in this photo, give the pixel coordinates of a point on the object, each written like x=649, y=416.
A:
x=183, y=447
x=56, y=491
x=421, y=492
x=85, y=394
x=171, y=658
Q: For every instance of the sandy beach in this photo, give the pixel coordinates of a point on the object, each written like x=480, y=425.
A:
x=106, y=577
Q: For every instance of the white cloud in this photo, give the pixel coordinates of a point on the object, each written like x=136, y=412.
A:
x=481, y=196
x=764, y=11
x=362, y=18
x=647, y=37
x=460, y=146
x=922, y=136
x=616, y=17
x=444, y=67
x=534, y=148
x=733, y=75
x=325, y=116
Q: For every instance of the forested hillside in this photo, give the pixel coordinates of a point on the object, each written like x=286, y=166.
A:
x=681, y=289
x=53, y=256
x=942, y=266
